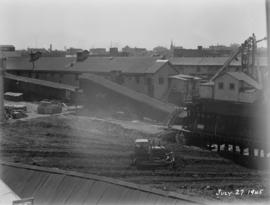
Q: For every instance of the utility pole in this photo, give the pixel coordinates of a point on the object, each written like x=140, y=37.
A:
x=267, y=6
x=2, y=109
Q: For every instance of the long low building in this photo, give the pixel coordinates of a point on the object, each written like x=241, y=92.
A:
x=206, y=67
x=147, y=75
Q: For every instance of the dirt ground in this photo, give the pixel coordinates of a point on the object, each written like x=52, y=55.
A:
x=104, y=147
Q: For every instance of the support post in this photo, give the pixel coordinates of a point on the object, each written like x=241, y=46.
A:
x=2, y=109
x=241, y=150
x=218, y=147
x=234, y=148
x=226, y=147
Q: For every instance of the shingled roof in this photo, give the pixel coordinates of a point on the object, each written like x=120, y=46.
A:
x=139, y=65
x=43, y=63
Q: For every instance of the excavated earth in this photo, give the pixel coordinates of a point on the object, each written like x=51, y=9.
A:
x=104, y=147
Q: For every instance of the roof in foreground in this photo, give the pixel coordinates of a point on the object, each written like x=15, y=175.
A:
x=7, y=196
x=139, y=97
x=54, y=186
x=91, y=64
x=244, y=77
x=39, y=82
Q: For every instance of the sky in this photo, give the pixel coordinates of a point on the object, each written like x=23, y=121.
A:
x=137, y=23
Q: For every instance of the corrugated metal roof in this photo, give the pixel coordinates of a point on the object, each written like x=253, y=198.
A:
x=138, y=65
x=210, y=61
x=244, y=77
x=43, y=63
x=41, y=82
x=168, y=108
x=54, y=186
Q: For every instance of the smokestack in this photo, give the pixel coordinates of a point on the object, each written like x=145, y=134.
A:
x=2, y=109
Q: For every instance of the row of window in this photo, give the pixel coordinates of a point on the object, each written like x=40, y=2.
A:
x=221, y=86
x=137, y=79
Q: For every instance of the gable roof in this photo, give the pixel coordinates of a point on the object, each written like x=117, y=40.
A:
x=244, y=77
x=210, y=61
x=139, y=65
x=124, y=64
x=43, y=63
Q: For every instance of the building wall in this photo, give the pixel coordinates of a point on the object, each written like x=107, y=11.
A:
x=226, y=93
x=177, y=85
x=206, y=91
x=161, y=81
x=248, y=97
x=184, y=89
x=37, y=92
x=140, y=82
x=97, y=97
x=198, y=70
x=136, y=82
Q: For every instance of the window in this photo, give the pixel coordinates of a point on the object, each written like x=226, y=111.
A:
x=137, y=79
x=220, y=85
x=232, y=86
x=161, y=80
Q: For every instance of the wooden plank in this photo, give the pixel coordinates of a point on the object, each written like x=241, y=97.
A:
x=121, y=195
x=150, y=199
x=15, y=178
x=183, y=202
x=80, y=192
x=96, y=193
x=65, y=189
x=47, y=189
x=165, y=201
x=6, y=194
x=132, y=197
x=7, y=172
x=46, y=184
x=112, y=195
x=34, y=183
x=132, y=186
x=23, y=183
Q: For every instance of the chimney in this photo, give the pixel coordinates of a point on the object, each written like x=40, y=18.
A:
x=114, y=51
x=200, y=48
